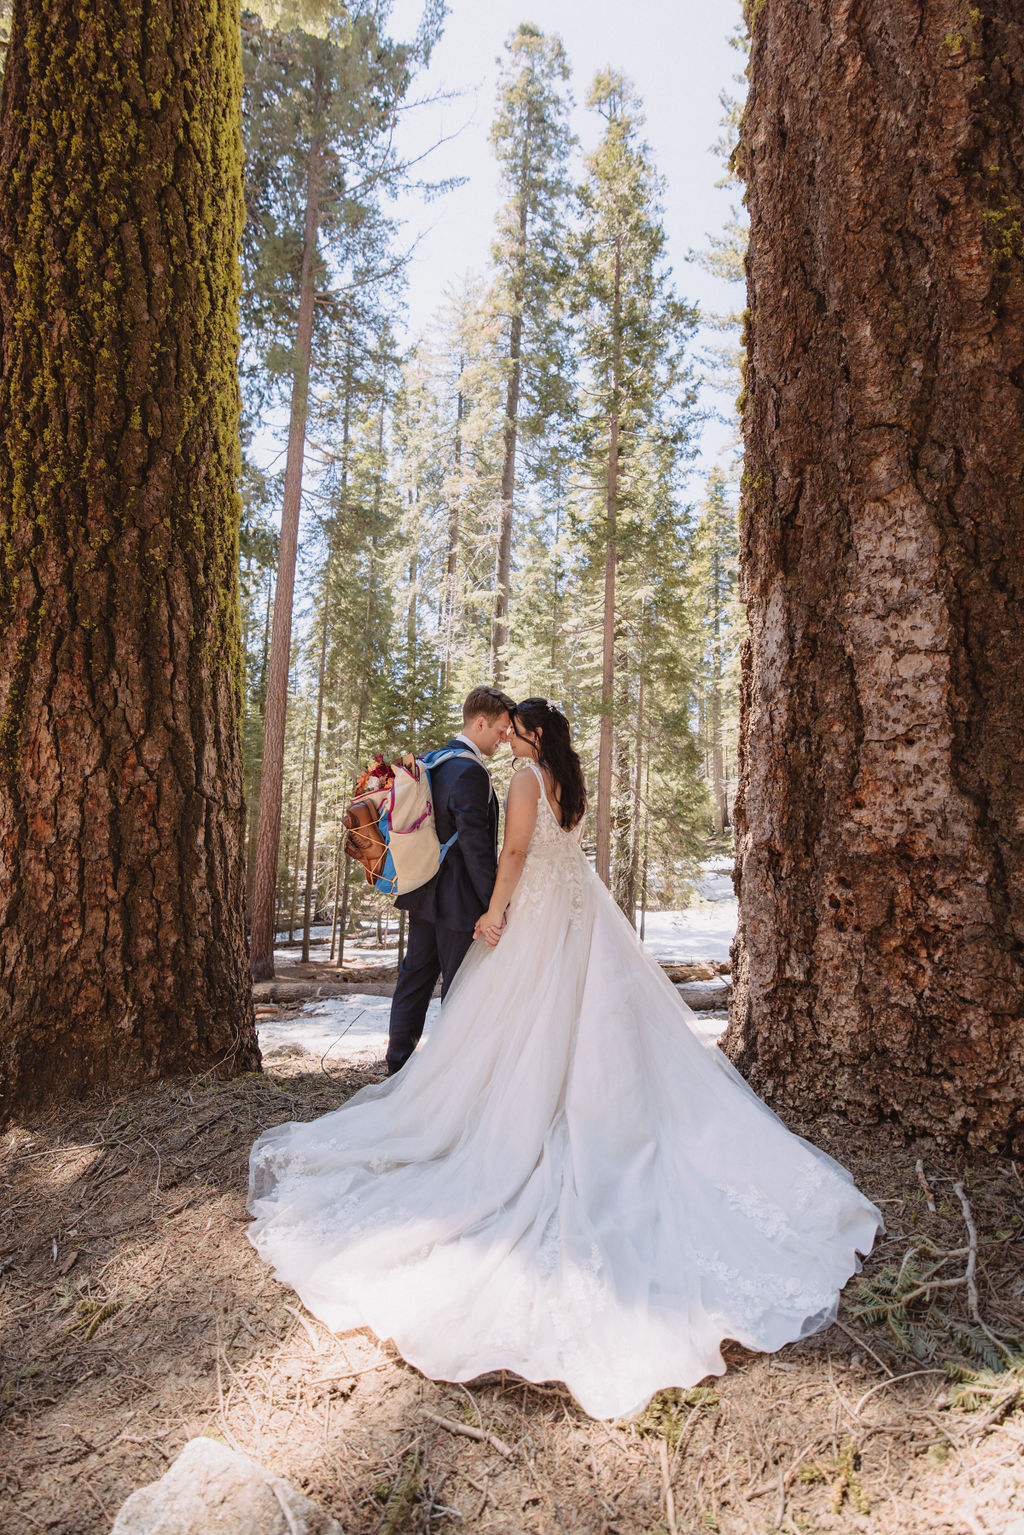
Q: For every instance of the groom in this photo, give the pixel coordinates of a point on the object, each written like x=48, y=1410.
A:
x=443, y=912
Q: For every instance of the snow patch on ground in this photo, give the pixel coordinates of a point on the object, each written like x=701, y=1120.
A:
x=361, y=951
x=703, y=931
x=354, y=1029
x=342, y=1030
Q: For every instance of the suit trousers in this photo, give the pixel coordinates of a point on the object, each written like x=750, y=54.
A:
x=431, y=951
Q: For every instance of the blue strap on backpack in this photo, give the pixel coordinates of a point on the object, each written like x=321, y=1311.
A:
x=434, y=759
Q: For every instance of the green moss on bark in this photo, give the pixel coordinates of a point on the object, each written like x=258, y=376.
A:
x=121, y=211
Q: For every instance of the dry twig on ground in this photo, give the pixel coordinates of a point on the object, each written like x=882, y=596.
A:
x=164, y=1324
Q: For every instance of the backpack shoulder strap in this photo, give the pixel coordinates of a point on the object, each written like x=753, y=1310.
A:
x=435, y=758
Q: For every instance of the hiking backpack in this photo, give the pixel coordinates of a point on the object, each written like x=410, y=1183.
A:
x=391, y=831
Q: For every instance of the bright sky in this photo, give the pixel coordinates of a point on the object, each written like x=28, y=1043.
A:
x=676, y=54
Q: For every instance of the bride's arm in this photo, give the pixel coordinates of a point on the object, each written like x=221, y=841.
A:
x=520, y=819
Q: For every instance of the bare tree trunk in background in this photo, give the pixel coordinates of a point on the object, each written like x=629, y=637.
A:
x=261, y=941
x=339, y=860
x=254, y=808
x=281, y=889
x=307, y=912
x=556, y=571
x=635, y=797
x=411, y=636
x=343, y=921
x=717, y=764
x=603, y=859
x=298, y=839
x=452, y=562
x=503, y=568
x=122, y=811
x=622, y=806
x=646, y=853
x=880, y=838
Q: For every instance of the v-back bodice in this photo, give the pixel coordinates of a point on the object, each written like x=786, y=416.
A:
x=554, y=862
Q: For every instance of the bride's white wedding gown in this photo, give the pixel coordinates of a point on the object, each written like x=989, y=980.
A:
x=564, y=1181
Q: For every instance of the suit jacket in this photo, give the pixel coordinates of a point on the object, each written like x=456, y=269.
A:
x=464, y=802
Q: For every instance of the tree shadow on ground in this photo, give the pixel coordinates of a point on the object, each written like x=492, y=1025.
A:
x=136, y=1315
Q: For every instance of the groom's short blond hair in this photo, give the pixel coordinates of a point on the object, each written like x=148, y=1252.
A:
x=487, y=701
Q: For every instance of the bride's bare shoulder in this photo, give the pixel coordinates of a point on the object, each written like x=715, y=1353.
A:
x=524, y=787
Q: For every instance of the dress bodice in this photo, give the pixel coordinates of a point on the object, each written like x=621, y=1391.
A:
x=553, y=859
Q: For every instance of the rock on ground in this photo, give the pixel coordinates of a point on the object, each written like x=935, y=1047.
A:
x=211, y=1488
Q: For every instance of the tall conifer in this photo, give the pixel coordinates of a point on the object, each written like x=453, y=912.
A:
x=532, y=140
x=323, y=111
x=632, y=329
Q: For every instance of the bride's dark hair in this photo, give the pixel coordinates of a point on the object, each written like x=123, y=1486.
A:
x=556, y=753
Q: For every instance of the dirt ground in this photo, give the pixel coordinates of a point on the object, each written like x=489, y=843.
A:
x=135, y=1315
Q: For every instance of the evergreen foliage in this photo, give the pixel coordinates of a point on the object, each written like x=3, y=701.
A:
x=456, y=504
x=532, y=142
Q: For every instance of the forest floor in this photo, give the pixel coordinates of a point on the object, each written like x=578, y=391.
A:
x=135, y=1315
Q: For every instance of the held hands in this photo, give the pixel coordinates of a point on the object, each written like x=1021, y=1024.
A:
x=489, y=926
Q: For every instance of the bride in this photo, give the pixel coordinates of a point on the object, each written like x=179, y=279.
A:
x=565, y=1181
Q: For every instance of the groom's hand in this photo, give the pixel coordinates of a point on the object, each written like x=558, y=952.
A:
x=489, y=928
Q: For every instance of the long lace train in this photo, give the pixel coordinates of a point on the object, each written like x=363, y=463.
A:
x=565, y=1181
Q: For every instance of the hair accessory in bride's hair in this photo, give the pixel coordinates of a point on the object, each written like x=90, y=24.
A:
x=533, y=704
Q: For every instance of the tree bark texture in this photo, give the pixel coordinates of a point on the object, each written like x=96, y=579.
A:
x=122, y=815
x=880, y=817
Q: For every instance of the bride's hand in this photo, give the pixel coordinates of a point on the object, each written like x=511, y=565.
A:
x=489, y=927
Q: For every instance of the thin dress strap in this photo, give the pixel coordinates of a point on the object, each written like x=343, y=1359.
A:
x=544, y=792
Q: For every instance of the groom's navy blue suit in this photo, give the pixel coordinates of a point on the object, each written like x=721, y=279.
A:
x=444, y=911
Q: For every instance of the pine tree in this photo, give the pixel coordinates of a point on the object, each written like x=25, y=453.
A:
x=322, y=110
x=725, y=252
x=713, y=567
x=631, y=332
x=121, y=811
x=532, y=140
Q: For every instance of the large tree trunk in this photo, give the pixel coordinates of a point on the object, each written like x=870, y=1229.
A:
x=268, y=838
x=122, y=816
x=879, y=828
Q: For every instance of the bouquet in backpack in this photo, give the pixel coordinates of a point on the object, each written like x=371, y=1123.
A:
x=390, y=823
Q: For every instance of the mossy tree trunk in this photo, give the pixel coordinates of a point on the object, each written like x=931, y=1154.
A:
x=879, y=828
x=122, y=818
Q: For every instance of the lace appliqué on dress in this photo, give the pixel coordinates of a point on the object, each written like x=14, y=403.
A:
x=555, y=864
x=765, y=1214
